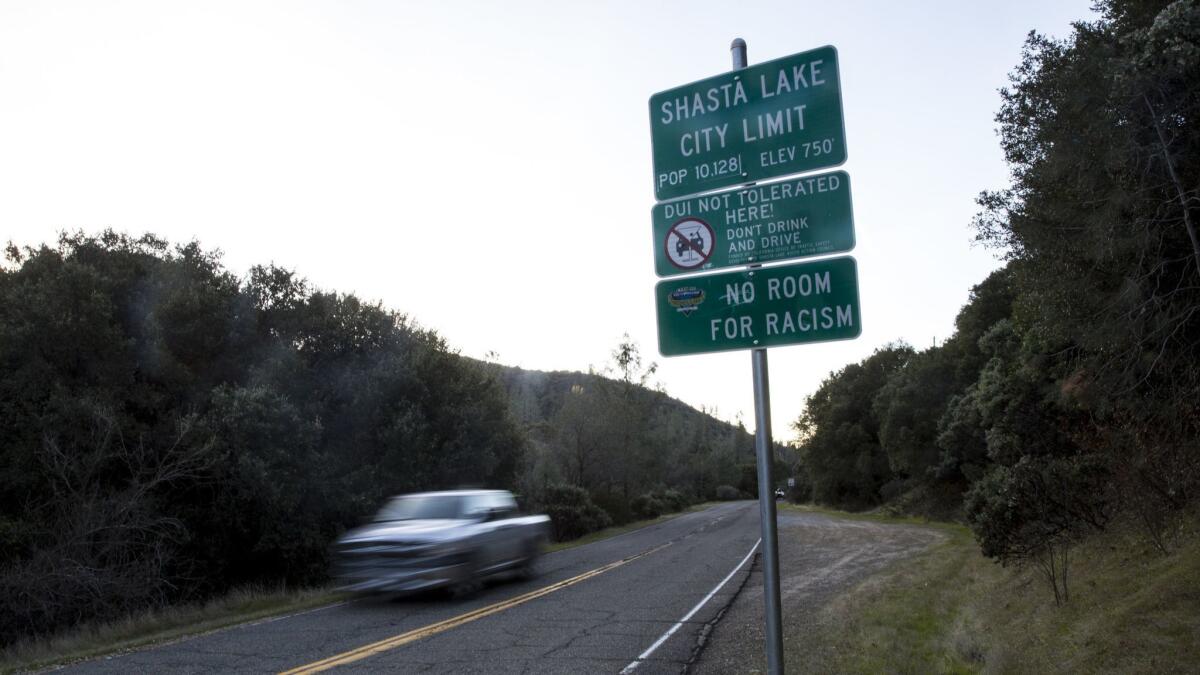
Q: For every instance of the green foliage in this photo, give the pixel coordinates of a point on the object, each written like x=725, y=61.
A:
x=1035, y=510
x=656, y=503
x=908, y=406
x=572, y=512
x=628, y=445
x=673, y=499
x=1100, y=223
x=727, y=493
x=171, y=430
x=1101, y=215
x=648, y=506
x=1071, y=387
x=840, y=443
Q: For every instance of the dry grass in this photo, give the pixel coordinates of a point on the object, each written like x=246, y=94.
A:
x=949, y=610
x=162, y=625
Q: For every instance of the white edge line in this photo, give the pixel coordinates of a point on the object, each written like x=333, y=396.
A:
x=658, y=643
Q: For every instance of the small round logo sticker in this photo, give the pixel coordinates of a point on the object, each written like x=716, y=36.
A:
x=686, y=299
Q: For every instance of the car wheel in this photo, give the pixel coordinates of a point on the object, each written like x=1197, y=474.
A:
x=531, y=566
x=467, y=585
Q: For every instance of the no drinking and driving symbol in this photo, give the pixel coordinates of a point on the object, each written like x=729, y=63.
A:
x=689, y=243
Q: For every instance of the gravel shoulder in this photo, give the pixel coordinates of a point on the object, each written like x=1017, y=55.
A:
x=820, y=557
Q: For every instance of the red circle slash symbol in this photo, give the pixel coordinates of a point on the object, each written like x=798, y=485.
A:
x=689, y=243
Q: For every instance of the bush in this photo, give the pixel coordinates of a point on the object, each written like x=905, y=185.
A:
x=801, y=492
x=1033, y=511
x=727, y=493
x=674, y=500
x=893, y=489
x=572, y=513
x=648, y=506
x=657, y=502
x=618, y=507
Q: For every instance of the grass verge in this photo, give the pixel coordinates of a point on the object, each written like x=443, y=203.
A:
x=162, y=625
x=950, y=610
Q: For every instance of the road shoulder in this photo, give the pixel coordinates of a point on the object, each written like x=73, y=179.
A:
x=821, y=556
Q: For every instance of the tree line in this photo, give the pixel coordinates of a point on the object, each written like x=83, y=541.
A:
x=169, y=430
x=1069, y=393
x=624, y=445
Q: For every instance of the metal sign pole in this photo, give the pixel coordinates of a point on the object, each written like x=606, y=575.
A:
x=766, y=509
x=766, y=486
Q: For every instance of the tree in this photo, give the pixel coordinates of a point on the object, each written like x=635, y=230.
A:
x=839, y=432
x=580, y=437
x=1101, y=215
x=1100, y=225
x=170, y=430
x=908, y=406
x=1044, y=489
x=1033, y=512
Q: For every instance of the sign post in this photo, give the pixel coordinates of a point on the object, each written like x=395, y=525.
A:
x=774, y=120
x=764, y=456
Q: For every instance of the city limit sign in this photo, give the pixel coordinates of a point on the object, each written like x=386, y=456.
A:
x=788, y=304
x=772, y=119
x=798, y=217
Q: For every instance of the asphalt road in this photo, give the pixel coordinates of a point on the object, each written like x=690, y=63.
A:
x=641, y=602
x=600, y=623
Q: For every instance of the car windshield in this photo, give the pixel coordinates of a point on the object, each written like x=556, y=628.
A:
x=424, y=507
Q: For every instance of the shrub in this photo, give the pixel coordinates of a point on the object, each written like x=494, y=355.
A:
x=727, y=493
x=618, y=507
x=648, y=506
x=673, y=500
x=572, y=513
x=1033, y=511
x=802, y=491
x=893, y=489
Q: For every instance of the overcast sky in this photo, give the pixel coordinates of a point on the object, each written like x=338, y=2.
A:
x=486, y=167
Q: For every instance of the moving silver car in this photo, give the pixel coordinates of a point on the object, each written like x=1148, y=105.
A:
x=439, y=540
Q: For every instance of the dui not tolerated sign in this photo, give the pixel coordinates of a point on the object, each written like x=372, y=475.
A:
x=787, y=304
x=772, y=119
x=794, y=218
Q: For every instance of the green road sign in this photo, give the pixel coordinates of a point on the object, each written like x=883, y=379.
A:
x=772, y=119
x=795, y=218
x=766, y=307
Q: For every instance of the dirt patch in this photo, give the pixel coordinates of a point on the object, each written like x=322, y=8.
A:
x=819, y=557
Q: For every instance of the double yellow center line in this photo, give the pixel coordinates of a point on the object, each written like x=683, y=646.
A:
x=442, y=626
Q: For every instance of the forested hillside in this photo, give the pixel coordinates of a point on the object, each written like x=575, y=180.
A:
x=170, y=430
x=1069, y=394
x=626, y=444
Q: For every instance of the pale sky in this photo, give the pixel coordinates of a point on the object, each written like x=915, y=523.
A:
x=485, y=167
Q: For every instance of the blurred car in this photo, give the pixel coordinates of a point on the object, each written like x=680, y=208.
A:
x=433, y=540
x=779, y=494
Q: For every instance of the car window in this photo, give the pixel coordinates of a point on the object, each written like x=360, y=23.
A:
x=499, y=504
x=476, y=505
x=421, y=507
x=507, y=506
